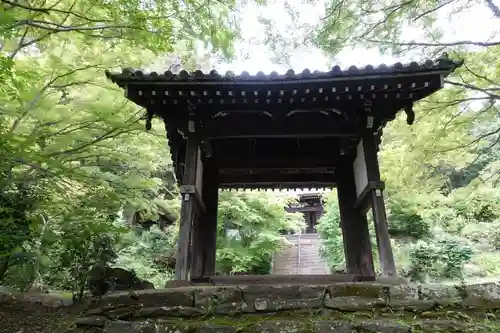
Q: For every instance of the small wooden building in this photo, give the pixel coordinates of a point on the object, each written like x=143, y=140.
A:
x=311, y=206
x=297, y=130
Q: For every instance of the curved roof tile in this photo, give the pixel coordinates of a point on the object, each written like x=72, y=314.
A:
x=444, y=63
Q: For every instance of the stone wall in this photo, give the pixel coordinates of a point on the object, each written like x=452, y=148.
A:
x=342, y=307
x=301, y=257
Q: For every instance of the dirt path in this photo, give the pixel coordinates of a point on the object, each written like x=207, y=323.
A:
x=23, y=316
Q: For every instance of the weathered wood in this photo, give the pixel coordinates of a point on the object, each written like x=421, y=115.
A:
x=211, y=199
x=357, y=246
x=386, y=256
x=182, y=264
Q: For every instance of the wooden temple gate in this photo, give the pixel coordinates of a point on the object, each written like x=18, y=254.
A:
x=307, y=130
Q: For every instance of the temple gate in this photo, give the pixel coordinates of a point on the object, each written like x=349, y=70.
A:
x=307, y=130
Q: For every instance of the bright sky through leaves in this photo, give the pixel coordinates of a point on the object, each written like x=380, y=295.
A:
x=476, y=24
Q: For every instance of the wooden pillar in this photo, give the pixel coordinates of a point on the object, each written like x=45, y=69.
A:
x=209, y=221
x=376, y=198
x=188, y=197
x=357, y=246
x=197, y=254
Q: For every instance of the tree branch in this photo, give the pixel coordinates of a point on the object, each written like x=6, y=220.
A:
x=457, y=43
x=32, y=103
x=494, y=8
x=473, y=87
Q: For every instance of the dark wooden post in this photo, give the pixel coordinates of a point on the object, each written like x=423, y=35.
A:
x=188, y=197
x=386, y=257
x=198, y=233
x=357, y=246
x=209, y=222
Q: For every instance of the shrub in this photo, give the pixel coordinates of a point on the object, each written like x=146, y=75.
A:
x=443, y=258
x=405, y=219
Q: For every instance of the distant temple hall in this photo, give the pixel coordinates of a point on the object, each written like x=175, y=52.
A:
x=311, y=206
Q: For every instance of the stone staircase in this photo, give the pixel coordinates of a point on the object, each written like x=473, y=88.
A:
x=301, y=257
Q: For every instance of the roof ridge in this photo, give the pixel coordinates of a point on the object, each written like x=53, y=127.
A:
x=442, y=63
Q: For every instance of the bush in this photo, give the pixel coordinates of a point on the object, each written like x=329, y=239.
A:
x=405, y=219
x=332, y=248
x=443, y=258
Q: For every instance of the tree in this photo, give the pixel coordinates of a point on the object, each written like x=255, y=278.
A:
x=257, y=218
x=460, y=124
x=67, y=134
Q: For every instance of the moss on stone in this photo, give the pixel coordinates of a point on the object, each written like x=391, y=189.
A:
x=442, y=322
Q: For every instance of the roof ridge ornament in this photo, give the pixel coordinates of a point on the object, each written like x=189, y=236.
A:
x=445, y=61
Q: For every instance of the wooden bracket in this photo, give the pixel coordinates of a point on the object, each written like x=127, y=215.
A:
x=191, y=190
x=362, y=202
x=187, y=189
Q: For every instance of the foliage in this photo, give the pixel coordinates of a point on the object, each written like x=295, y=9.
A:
x=405, y=218
x=146, y=252
x=330, y=231
x=444, y=258
x=332, y=248
x=257, y=218
x=74, y=152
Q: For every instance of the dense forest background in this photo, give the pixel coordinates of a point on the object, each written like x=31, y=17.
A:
x=82, y=182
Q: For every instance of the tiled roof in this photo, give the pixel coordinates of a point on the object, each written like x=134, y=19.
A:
x=444, y=63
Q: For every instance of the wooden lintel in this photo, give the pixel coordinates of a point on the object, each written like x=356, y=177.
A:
x=271, y=135
x=363, y=201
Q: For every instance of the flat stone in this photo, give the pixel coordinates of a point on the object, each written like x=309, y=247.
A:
x=364, y=290
x=352, y=303
x=220, y=300
x=383, y=326
x=178, y=283
x=92, y=321
x=484, y=296
x=279, y=326
x=267, y=298
x=118, y=326
x=121, y=312
x=169, y=311
x=446, y=295
x=332, y=326
x=404, y=292
x=151, y=297
x=412, y=305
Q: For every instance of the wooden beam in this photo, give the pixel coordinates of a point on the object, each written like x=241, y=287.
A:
x=277, y=178
x=182, y=265
x=278, y=161
x=275, y=135
x=357, y=246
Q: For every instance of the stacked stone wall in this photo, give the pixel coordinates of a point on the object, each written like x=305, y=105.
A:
x=342, y=307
